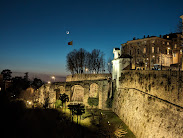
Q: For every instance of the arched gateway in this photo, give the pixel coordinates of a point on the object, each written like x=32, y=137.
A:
x=77, y=94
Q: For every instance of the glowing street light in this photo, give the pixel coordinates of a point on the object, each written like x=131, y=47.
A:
x=49, y=82
x=53, y=77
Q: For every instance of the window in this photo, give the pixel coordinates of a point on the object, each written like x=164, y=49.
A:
x=158, y=50
x=174, y=55
x=167, y=36
x=163, y=43
x=180, y=51
x=130, y=52
x=158, y=59
x=152, y=49
x=168, y=51
x=175, y=45
x=153, y=41
x=145, y=42
x=144, y=50
x=168, y=43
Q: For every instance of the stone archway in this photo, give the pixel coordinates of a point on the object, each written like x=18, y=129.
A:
x=93, y=90
x=77, y=93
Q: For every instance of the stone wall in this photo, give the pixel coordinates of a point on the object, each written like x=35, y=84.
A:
x=82, y=77
x=148, y=116
x=167, y=85
x=151, y=103
x=96, y=89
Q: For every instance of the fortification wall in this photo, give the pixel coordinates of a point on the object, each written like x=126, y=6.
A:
x=151, y=103
x=76, y=90
x=167, y=85
x=82, y=77
x=148, y=116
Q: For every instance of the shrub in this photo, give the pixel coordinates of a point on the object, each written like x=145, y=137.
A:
x=93, y=101
x=58, y=103
x=109, y=103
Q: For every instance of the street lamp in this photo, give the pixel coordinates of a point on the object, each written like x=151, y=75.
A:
x=49, y=82
x=86, y=70
x=53, y=77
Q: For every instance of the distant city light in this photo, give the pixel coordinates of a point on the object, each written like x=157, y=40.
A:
x=53, y=77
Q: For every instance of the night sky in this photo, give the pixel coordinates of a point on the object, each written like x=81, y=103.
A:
x=33, y=32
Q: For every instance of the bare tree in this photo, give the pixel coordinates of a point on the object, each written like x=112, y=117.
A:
x=70, y=63
x=179, y=27
x=80, y=61
x=97, y=61
x=109, y=65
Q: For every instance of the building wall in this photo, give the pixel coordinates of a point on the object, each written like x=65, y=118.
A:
x=82, y=77
x=149, y=51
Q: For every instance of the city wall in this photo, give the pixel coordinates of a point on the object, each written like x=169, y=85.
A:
x=77, y=91
x=167, y=85
x=83, y=77
x=150, y=103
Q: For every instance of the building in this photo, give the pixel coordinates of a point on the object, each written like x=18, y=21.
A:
x=149, y=52
x=120, y=62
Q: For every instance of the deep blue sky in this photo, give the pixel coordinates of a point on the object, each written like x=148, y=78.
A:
x=33, y=32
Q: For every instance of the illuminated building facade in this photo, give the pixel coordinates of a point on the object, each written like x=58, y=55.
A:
x=149, y=53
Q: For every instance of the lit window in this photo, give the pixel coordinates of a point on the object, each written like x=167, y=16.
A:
x=157, y=49
x=153, y=41
x=168, y=43
x=168, y=50
x=144, y=50
x=181, y=51
x=167, y=36
x=152, y=49
x=163, y=43
x=174, y=55
x=145, y=42
x=175, y=45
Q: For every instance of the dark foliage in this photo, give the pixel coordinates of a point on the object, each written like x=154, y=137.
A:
x=6, y=74
x=109, y=102
x=37, y=83
x=93, y=101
